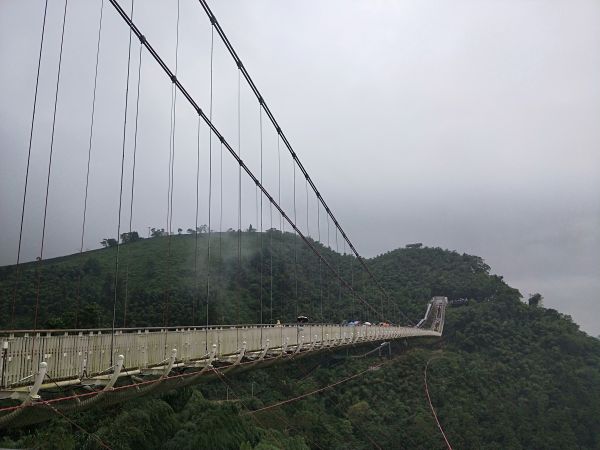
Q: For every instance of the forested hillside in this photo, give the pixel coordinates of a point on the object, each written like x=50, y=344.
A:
x=505, y=375
x=163, y=280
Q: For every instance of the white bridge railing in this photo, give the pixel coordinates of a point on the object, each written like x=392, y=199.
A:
x=80, y=369
x=75, y=354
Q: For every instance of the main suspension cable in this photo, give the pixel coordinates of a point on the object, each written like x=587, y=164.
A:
x=232, y=152
x=294, y=155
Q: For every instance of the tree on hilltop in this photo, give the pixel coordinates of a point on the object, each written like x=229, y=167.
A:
x=535, y=300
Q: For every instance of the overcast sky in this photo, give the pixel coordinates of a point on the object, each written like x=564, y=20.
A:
x=470, y=125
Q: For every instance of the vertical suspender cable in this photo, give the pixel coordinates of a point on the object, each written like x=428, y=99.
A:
x=221, y=208
x=380, y=302
x=329, y=247
x=116, y=284
x=171, y=176
x=196, y=301
x=295, y=246
x=320, y=264
x=89, y=158
x=337, y=249
x=328, y=244
x=232, y=152
x=282, y=297
x=261, y=216
x=256, y=209
x=258, y=243
x=239, y=231
x=294, y=155
x=209, y=184
x=135, y=135
x=220, y=176
x=341, y=261
x=41, y=257
x=307, y=266
x=271, y=261
x=281, y=223
x=352, y=278
x=307, y=205
x=37, y=82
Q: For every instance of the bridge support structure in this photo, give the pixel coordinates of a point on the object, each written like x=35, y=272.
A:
x=74, y=361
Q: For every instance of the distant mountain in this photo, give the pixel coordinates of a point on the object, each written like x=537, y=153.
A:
x=505, y=375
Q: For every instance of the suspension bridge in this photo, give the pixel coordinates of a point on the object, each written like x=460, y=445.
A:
x=44, y=372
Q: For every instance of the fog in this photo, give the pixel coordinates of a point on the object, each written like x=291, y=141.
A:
x=469, y=125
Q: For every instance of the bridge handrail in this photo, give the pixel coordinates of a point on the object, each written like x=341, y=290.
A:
x=87, y=331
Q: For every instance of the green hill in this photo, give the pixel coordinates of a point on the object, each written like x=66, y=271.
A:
x=163, y=280
x=505, y=375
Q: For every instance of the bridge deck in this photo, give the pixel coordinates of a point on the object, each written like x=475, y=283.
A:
x=73, y=354
x=46, y=372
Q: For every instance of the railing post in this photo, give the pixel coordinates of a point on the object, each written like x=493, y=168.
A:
x=39, y=379
x=265, y=350
x=241, y=354
x=300, y=343
x=284, y=346
x=116, y=372
x=3, y=362
x=171, y=362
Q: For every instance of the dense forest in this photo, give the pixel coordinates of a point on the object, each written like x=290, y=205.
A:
x=505, y=375
x=166, y=280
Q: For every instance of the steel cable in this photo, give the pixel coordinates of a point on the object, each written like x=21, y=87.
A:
x=41, y=257
x=209, y=183
x=235, y=155
x=171, y=178
x=116, y=284
x=89, y=158
x=294, y=155
x=135, y=136
x=35, y=96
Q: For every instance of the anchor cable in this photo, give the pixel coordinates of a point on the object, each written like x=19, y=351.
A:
x=439, y=425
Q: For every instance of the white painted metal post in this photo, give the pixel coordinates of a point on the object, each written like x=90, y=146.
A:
x=3, y=362
x=116, y=372
x=39, y=379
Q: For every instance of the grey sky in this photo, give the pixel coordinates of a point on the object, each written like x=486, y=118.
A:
x=470, y=125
